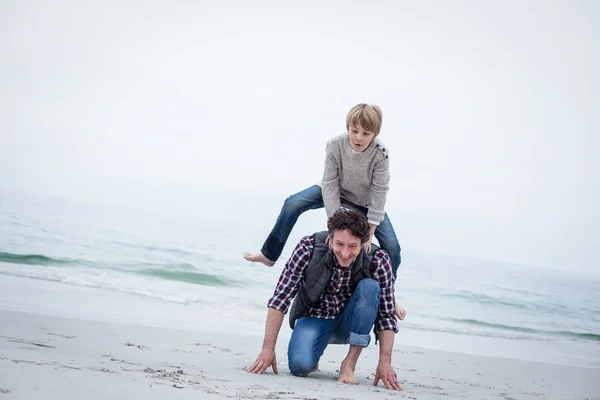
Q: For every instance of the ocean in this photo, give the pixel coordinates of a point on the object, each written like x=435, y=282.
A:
x=454, y=304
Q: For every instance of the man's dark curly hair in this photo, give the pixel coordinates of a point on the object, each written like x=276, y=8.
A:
x=354, y=221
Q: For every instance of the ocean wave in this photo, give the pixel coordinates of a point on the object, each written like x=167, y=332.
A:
x=484, y=299
x=186, y=266
x=112, y=283
x=532, y=305
x=35, y=259
x=457, y=331
x=574, y=335
x=39, y=259
x=197, y=278
x=181, y=272
x=174, y=251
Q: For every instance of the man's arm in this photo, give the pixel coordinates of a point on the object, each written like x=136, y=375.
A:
x=385, y=372
x=386, y=346
x=331, y=181
x=381, y=271
x=267, y=357
x=278, y=304
x=272, y=327
x=385, y=321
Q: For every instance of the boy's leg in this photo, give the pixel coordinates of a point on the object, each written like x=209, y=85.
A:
x=296, y=204
x=355, y=324
x=307, y=344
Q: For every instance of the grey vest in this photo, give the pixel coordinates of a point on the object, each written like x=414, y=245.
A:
x=318, y=274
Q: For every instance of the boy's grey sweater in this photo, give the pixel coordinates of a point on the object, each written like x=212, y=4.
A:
x=362, y=178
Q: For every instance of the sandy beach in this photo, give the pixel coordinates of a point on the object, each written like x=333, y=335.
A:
x=147, y=147
x=51, y=348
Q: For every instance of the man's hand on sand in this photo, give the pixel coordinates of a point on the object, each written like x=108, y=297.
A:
x=388, y=376
x=265, y=359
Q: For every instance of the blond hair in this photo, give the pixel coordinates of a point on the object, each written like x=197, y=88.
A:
x=368, y=116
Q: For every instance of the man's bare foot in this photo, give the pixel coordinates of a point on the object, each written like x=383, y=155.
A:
x=316, y=368
x=260, y=257
x=347, y=373
x=400, y=311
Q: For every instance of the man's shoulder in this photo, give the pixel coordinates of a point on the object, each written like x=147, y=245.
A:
x=381, y=259
x=302, y=252
x=307, y=242
x=380, y=254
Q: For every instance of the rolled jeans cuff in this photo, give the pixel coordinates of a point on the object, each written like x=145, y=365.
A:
x=357, y=339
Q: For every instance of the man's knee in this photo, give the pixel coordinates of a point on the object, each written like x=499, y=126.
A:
x=301, y=364
x=369, y=287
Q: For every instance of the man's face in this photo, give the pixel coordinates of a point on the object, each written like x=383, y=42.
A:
x=360, y=139
x=346, y=247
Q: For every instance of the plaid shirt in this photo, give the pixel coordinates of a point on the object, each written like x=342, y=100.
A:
x=338, y=292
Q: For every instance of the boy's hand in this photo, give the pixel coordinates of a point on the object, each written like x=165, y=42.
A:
x=367, y=245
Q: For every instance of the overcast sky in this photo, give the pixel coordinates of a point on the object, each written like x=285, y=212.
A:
x=222, y=109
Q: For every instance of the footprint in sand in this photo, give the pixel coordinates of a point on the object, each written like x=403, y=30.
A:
x=212, y=346
x=59, y=335
x=139, y=346
x=109, y=371
x=15, y=340
x=119, y=360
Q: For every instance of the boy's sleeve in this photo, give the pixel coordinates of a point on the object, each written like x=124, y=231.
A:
x=331, y=181
x=379, y=188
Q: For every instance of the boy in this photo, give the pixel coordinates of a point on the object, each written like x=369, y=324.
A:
x=356, y=176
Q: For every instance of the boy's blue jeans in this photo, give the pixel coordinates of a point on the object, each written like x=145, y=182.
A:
x=312, y=199
x=353, y=326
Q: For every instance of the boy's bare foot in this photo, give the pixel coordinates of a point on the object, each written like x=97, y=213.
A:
x=400, y=311
x=260, y=257
x=347, y=373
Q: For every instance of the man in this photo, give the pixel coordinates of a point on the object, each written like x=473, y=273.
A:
x=341, y=294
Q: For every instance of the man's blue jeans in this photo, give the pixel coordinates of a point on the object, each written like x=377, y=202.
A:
x=353, y=326
x=312, y=199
